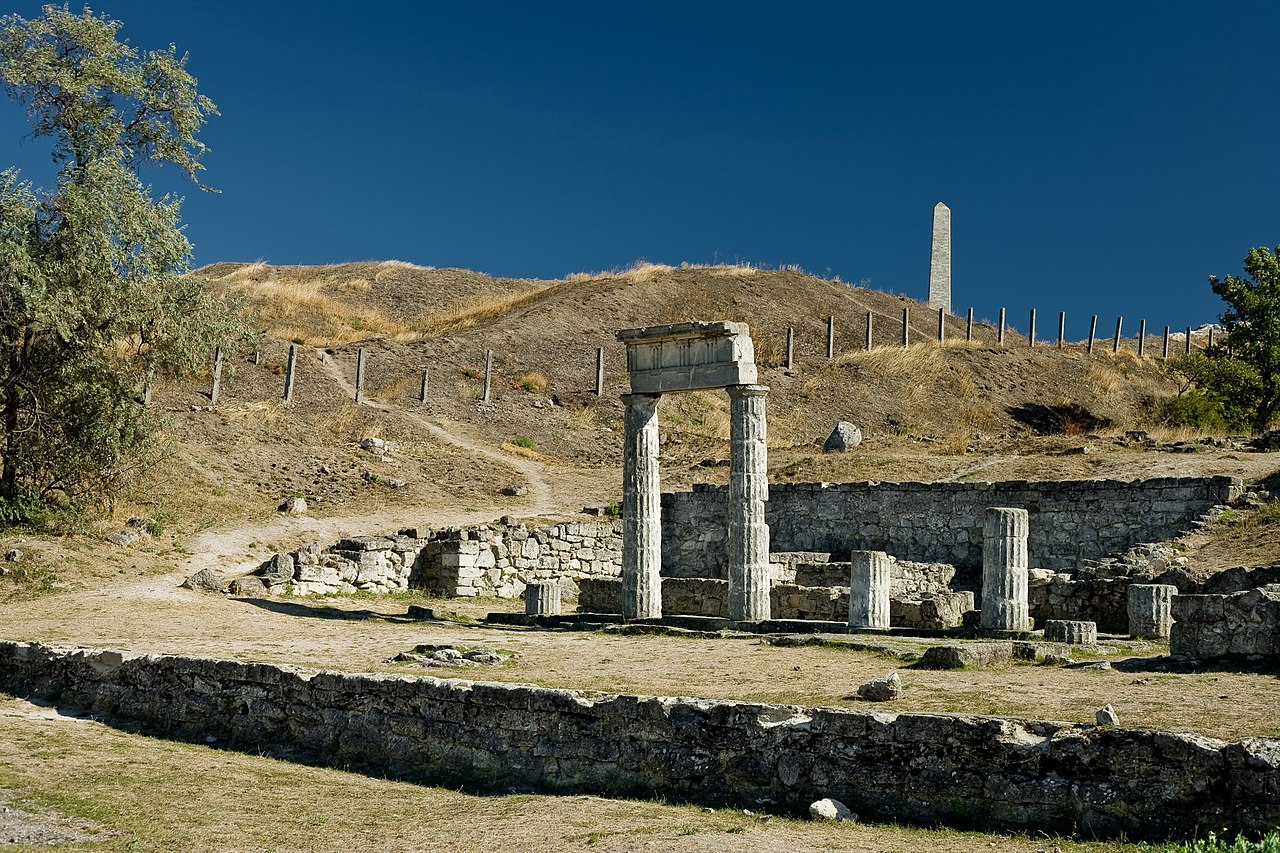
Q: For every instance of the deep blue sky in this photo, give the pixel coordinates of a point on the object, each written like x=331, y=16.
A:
x=1098, y=157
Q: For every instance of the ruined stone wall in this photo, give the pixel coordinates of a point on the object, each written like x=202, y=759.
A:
x=1214, y=626
x=495, y=560
x=1104, y=601
x=710, y=597
x=987, y=772
x=1071, y=521
x=499, y=560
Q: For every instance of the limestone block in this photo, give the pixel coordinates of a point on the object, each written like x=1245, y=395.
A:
x=1073, y=632
x=967, y=654
x=1150, y=610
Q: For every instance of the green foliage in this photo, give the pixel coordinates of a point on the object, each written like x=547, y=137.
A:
x=1213, y=843
x=93, y=300
x=1216, y=394
x=613, y=509
x=1252, y=322
x=521, y=441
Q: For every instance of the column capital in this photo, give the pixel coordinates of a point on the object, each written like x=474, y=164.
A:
x=747, y=390
x=640, y=400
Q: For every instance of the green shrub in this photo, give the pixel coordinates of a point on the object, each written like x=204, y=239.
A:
x=521, y=441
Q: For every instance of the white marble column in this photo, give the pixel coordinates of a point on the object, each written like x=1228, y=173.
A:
x=748, y=491
x=1004, y=570
x=869, y=580
x=641, y=510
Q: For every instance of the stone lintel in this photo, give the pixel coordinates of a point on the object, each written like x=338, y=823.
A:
x=689, y=356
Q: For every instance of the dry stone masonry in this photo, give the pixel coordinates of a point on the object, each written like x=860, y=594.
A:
x=1074, y=633
x=1236, y=624
x=1072, y=522
x=989, y=772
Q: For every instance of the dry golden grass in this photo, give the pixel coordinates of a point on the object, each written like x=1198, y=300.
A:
x=643, y=271
x=700, y=413
x=268, y=413
x=533, y=381
x=397, y=390
x=350, y=419
x=298, y=307
x=461, y=318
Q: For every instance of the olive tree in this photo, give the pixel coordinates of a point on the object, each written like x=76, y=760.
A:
x=93, y=292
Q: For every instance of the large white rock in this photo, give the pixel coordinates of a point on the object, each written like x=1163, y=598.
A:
x=830, y=809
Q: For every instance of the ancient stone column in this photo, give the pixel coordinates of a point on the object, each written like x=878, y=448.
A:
x=542, y=599
x=1151, y=610
x=1067, y=631
x=641, y=511
x=1004, y=570
x=748, y=491
x=869, y=589
x=940, y=259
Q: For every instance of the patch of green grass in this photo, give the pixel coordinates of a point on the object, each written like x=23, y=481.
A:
x=521, y=441
x=1213, y=843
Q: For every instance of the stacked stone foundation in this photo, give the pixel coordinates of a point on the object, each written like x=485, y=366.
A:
x=968, y=771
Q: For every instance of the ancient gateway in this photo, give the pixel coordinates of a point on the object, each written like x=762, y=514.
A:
x=694, y=357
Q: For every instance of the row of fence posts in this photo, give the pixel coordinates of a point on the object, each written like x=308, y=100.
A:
x=291, y=366
x=1000, y=333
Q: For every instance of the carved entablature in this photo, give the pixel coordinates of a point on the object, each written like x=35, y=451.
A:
x=689, y=356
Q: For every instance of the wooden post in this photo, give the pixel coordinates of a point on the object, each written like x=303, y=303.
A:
x=1142, y=338
x=1188, y=345
x=869, y=331
x=1093, y=328
x=1210, y=344
x=791, y=347
x=1031, y=336
x=968, y=326
x=942, y=325
x=599, y=371
x=1062, y=329
x=1166, y=341
x=257, y=357
x=290, y=371
x=359, y=376
x=831, y=336
x=426, y=374
x=1115, y=347
x=488, y=373
x=216, y=391
x=906, y=329
x=1000, y=330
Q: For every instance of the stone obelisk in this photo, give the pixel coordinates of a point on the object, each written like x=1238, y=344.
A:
x=940, y=259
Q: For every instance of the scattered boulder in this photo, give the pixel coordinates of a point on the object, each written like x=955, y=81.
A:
x=829, y=809
x=296, y=505
x=967, y=654
x=844, y=437
x=205, y=580
x=373, y=444
x=278, y=570
x=125, y=538
x=514, y=491
x=1107, y=716
x=13, y=555
x=881, y=689
x=247, y=586
x=396, y=484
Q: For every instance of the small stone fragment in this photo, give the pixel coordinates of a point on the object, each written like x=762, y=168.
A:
x=882, y=689
x=296, y=505
x=514, y=491
x=829, y=809
x=1107, y=716
x=124, y=538
x=373, y=444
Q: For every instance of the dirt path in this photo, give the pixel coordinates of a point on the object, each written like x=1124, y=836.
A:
x=532, y=471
